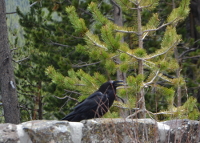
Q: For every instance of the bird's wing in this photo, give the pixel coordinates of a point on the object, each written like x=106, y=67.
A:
x=91, y=102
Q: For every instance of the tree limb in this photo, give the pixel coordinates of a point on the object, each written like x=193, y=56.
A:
x=185, y=52
x=146, y=84
x=21, y=60
x=72, y=92
x=58, y=44
x=11, y=12
x=125, y=31
x=66, y=97
x=163, y=25
x=198, y=56
x=84, y=65
x=160, y=53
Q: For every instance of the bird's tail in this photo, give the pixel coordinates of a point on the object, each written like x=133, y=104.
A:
x=69, y=117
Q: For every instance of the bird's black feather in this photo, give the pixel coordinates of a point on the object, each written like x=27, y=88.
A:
x=97, y=104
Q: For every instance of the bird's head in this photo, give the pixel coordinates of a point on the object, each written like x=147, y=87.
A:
x=117, y=83
x=110, y=85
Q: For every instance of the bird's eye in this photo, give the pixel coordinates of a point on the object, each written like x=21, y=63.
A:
x=111, y=81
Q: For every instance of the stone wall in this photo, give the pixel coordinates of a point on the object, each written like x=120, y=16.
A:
x=102, y=131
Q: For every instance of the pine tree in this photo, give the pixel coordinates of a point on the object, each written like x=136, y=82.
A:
x=147, y=70
x=50, y=40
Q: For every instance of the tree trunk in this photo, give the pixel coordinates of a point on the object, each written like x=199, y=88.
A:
x=140, y=98
x=7, y=81
x=193, y=30
x=176, y=54
x=195, y=19
x=117, y=14
x=118, y=21
x=38, y=107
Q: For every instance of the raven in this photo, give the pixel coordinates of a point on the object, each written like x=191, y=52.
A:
x=97, y=104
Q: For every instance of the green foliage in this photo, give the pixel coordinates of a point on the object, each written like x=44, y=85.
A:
x=188, y=110
x=55, y=49
x=110, y=65
x=153, y=22
x=124, y=57
x=170, y=37
x=125, y=4
x=77, y=81
x=135, y=83
x=97, y=15
x=108, y=44
x=51, y=40
x=124, y=67
x=179, y=13
x=112, y=42
x=139, y=52
x=77, y=22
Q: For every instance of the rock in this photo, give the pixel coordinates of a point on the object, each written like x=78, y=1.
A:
x=102, y=131
x=183, y=131
x=22, y=135
x=8, y=133
x=120, y=131
x=53, y=131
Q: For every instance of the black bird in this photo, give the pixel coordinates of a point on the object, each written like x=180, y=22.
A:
x=97, y=104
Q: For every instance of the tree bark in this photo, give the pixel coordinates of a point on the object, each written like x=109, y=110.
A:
x=140, y=98
x=194, y=19
x=7, y=80
x=118, y=20
x=117, y=14
x=176, y=54
x=38, y=107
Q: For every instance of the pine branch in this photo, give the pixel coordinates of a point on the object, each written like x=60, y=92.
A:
x=160, y=53
x=196, y=41
x=163, y=25
x=21, y=60
x=133, y=2
x=33, y=3
x=198, y=56
x=142, y=7
x=126, y=31
x=143, y=59
x=185, y=52
x=11, y=12
x=161, y=76
x=72, y=92
x=166, y=113
x=149, y=112
x=58, y=44
x=134, y=32
x=26, y=94
x=89, y=36
x=131, y=55
x=152, y=80
x=141, y=110
x=14, y=49
x=69, y=97
x=145, y=35
x=84, y=65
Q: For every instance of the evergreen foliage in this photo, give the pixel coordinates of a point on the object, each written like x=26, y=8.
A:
x=160, y=64
x=50, y=40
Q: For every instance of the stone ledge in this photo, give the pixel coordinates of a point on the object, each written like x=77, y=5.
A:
x=102, y=130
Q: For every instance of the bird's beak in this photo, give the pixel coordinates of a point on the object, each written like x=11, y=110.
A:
x=119, y=83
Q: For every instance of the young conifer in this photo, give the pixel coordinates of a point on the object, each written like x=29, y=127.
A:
x=150, y=68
